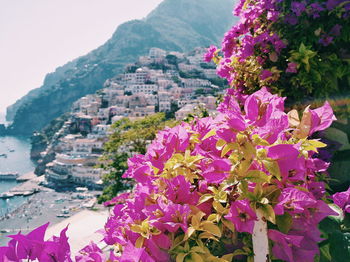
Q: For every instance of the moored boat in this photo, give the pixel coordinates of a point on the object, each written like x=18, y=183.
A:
x=9, y=176
x=6, y=195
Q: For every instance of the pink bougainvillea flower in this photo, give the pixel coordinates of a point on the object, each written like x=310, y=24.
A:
x=138, y=170
x=335, y=31
x=318, y=189
x=342, y=199
x=57, y=248
x=3, y=254
x=285, y=245
x=291, y=165
x=292, y=68
x=121, y=198
x=262, y=105
x=321, y=118
x=133, y=254
x=90, y=253
x=315, y=9
x=29, y=246
x=209, y=55
x=242, y=216
x=294, y=201
x=156, y=249
x=326, y=40
x=265, y=74
x=175, y=216
x=179, y=191
x=216, y=171
x=298, y=8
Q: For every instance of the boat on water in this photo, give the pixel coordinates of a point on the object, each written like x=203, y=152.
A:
x=3, y=155
x=9, y=176
x=6, y=195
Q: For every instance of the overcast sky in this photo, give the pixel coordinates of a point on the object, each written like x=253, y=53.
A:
x=36, y=36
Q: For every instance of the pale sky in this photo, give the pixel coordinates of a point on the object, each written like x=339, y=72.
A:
x=37, y=36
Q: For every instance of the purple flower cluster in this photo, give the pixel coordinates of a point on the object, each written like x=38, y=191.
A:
x=342, y=199
x=33, y=247
x=192, y=173
x=257, y=43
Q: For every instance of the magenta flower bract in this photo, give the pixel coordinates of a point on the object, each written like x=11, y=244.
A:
x=210, y=53
x=292, y=68
x=285, y=245
x=294, y=201
x=90, y=253
x=242, y=216
x=342, y=199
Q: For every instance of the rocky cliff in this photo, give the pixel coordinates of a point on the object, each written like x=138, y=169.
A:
x=176, y=25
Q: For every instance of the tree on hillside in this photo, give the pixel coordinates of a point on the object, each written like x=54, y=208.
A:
x=129, y=137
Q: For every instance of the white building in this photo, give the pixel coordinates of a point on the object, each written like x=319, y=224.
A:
x=86, y=146
x=210, y=73
x=184, y=112
x=187, y=68
x=142, y=88
x=86, y=175
x=155, y=53
x=195, y=83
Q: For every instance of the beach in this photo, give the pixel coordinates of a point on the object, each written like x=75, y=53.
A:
x=42, y=207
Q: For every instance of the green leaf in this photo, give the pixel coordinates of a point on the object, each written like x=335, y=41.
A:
x=325, y=255
x=339, y=247
x=268, y=213
x=329, y=225
x=257, y=176
x=284, y=222
x=273, y=168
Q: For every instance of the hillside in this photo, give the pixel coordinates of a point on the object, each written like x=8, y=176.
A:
x=177, y=25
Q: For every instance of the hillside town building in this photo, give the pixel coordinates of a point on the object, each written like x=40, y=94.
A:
x=153, y=84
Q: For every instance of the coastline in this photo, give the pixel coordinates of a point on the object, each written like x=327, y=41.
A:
x=42, y=207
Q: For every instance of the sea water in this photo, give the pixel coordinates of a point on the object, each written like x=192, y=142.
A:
x=16, y=158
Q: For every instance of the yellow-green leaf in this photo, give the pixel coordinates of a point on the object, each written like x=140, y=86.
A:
x=228, y=224
x=209, y=134
x=219, y=208
x=204, y=198
x=196, y=257
x=213, y=217
x=228, y=257
x=139, y=242
x=239, y=252
x=220, y=144
x=198, y=250
x=268, y=213
x=208, y=235
x=189, y=233
x=180, y=257
x=257, y=176
x=226, y=149
x=259, y=141
x=273, y=168
x=211, y=228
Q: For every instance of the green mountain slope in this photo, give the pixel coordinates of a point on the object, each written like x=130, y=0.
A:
x=176, y=25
